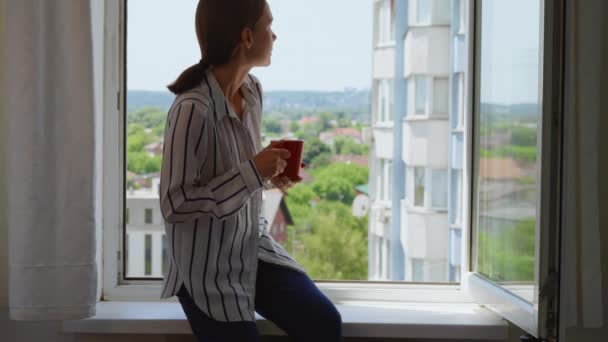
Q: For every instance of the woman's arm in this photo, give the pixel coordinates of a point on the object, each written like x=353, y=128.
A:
x=189, y=146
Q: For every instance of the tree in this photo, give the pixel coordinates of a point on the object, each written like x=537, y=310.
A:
x=337, y=182
x=346, y=145
x=336, y=246
x=147, y=117
x=312, y=148
x=271, y=125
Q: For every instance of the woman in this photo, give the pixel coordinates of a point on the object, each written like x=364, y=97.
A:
x=222, y=263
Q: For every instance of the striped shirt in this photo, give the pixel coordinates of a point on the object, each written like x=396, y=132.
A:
x=211, y=200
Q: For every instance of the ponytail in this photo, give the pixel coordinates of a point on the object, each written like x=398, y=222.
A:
x=189, y=78
x=218, y=31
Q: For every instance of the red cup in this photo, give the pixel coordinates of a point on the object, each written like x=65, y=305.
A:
x=295, y=148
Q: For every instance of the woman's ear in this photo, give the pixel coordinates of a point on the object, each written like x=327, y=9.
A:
x=247, y=38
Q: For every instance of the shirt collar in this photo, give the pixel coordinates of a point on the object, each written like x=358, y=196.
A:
x=220, y=104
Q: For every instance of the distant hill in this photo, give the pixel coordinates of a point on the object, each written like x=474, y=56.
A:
x=353, y=100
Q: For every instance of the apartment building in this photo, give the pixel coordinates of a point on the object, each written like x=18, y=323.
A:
x=416, y=155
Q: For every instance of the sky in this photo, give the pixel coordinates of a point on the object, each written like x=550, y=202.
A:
x=321, y=45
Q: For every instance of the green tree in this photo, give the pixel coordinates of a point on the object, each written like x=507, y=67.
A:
x=147, y=117
x=271, y=125
x=336, y=246
x=312, y=148
x=321, y=160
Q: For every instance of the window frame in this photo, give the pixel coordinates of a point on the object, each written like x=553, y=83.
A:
x=539, y=319
x=114, y=287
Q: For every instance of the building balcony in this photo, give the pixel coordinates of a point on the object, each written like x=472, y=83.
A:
x=427, y=51
x=384, y=62
x=383, y=142
x=425, y=143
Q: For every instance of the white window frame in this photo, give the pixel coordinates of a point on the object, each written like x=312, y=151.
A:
x=414, y=13
x=112, y=173
x=538, y=319
x=384, y=89
x=429, y=97
x=384, y=24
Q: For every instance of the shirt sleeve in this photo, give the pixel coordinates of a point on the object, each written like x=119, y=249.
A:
x=189, y=148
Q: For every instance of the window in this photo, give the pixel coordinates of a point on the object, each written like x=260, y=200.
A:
x=460, y=101
x=423, y=12
x=508, y=126
x=385, y=28
x=421, y=93
x=148, y=218
x=417, y=270
x=457, y=174
x=148, y=255
x=439, y=189
x=385, y=100
x=419, y=186
x=143, y=111
x=440, y=97
x=460, y=15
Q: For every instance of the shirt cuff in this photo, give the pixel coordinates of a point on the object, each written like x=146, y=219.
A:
x=250, y=174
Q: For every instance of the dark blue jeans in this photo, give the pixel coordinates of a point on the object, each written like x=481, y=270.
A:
x=287, y=298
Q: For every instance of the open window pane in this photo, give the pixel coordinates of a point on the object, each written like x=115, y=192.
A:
x=507, y=134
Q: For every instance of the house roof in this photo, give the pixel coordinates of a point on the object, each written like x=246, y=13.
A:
x=500, y=168
x=364, y=189
x=273, y=202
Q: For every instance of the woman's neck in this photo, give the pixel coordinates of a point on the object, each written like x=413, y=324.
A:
x=230, y=78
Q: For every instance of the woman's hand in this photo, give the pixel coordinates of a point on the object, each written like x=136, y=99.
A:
x=284, y=182
x=270, y=162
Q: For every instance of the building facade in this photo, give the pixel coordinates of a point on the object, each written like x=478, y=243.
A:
x=416, y=154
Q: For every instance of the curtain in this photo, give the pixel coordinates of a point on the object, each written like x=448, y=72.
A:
x=49, y=151
x=584, y=272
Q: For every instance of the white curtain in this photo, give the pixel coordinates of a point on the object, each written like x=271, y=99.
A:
x=584, y=280
x=50, y=158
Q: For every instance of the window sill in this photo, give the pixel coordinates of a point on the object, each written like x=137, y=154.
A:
x=424, y=117
x=384, y=124
x=385, y=45
x=465, y=321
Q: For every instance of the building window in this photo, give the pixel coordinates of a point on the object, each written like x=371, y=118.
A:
x=417, y=270
x=385, y=29
x=458, y=197
x=420, y=92
x=388, y=171
x=439, y=189
x=440, y=96
x=423, y=12
x=385, y=100
x=419, y=186
x=148, y=213
x=460, y=101
x=148, y=255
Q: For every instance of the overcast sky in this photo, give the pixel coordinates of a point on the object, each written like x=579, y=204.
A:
x=321, y=45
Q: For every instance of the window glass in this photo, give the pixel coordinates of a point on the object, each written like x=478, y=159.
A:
x=421, y=92
x=419, y=186
x=439, y=187
x=148, y=213
x=423, y=12
x=508, y=129
x=417, y=270
x=440, y=96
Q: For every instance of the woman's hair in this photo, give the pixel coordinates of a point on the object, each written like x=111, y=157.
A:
x=219, y=24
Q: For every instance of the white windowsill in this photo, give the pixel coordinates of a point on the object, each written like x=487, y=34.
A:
x=465, y=321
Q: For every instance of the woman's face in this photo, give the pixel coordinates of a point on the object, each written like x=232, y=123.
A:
x=263, y=38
